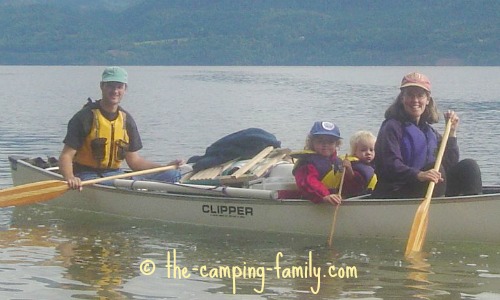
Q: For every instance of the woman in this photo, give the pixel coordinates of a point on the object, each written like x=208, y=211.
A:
x=407, y=144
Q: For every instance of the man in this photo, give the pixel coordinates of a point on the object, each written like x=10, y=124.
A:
x=102, y=134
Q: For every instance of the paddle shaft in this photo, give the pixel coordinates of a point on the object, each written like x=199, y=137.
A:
x=129, y=174
x=419, y=227
x=332, y=230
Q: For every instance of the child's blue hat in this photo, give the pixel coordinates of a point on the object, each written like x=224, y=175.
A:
x=327, y=128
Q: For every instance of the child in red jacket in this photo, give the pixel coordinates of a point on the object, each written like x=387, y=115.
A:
x=318, y=169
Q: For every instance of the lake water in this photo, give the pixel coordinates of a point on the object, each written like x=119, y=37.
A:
x=47, y=253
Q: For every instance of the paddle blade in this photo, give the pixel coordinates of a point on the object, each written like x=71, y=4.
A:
x=418, y=229
x=32, y=193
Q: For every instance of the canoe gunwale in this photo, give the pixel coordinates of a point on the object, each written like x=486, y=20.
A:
x=365, y=200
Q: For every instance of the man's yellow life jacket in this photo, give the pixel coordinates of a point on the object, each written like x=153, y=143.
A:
x=106, y=144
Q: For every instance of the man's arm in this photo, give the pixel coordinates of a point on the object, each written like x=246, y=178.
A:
x=66, y=167
x=138, y=163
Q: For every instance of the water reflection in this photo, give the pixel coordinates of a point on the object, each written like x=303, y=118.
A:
x=418, y=274
x=448, y=272
x=38, y=252
x=99, y=255
x=6, y=218
x=87, y=254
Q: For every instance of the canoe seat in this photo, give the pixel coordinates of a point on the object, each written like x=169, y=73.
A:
x=239, y=171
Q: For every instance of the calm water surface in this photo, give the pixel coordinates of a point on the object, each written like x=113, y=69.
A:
x=47, y=253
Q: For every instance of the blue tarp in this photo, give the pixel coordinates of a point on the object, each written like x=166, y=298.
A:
x=243, y=144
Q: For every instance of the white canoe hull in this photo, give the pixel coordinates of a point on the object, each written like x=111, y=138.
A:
x=469, y=218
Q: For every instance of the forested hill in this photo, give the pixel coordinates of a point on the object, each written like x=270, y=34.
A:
x=250, y=32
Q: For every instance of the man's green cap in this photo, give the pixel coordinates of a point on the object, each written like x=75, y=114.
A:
x=115, y=74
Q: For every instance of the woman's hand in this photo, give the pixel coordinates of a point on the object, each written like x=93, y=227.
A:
x=451, y=115
x=430, y=175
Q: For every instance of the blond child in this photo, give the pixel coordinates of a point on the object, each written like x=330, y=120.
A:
x=360, y=175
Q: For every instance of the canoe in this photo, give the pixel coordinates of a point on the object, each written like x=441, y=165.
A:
x=257, y=207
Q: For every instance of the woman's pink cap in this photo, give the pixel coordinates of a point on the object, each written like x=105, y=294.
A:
x=416, y=79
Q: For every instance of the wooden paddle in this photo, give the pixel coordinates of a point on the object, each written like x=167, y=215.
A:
x=419, y=227
x=332, y=230
x=46, y=190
